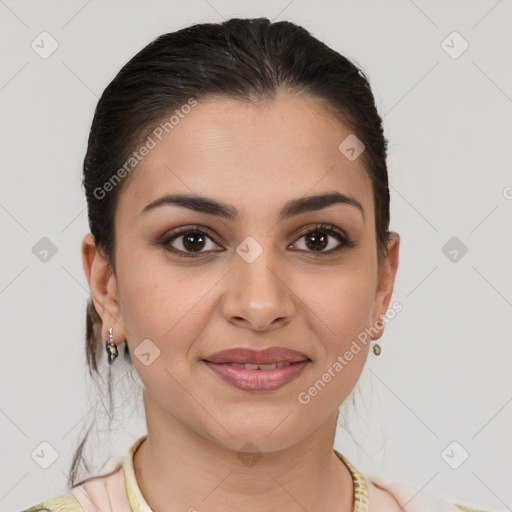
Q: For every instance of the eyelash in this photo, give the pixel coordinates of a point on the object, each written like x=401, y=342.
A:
x=346, y=242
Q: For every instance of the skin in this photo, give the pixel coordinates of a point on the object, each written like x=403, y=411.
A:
x=255, y=157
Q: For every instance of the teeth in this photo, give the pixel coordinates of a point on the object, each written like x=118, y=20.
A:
x=267, y=366
x=251, y=366
x=237, y=365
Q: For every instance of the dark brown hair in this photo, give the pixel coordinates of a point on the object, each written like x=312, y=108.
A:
x=243, y=59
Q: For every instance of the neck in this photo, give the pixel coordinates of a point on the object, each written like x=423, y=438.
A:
x=177, y=469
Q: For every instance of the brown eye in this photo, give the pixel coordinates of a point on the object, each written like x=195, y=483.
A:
x=320, y=237
x=316, y=240
x=194, y=241
x=189, y=242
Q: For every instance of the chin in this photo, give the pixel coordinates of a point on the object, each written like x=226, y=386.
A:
x=258, y=435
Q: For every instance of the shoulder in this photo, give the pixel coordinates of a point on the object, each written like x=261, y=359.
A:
x=105, y=493
x=63, y=503
x=386, y=497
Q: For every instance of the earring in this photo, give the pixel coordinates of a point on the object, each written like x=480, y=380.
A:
x=111, y=347
x=376, y=347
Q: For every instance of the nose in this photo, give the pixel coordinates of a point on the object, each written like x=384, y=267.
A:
x=257, y=296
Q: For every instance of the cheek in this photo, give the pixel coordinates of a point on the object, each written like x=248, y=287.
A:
x=342, y=302
x=164, y=303
x=339, y=312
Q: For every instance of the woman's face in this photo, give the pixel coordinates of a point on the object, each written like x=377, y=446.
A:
x=254, y=278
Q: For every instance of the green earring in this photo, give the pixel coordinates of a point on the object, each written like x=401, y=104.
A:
x=111, y=347
x=376, y=349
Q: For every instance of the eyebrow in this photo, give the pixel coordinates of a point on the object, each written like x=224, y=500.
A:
x=291, y=208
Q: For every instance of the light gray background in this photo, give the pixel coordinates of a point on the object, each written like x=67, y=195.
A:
x=444, y=373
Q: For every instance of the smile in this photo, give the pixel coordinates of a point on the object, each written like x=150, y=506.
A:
x=257, y=377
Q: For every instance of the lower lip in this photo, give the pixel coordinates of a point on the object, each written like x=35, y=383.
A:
x=257, y=380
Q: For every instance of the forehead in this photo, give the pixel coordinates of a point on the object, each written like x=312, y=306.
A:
x=258, y=154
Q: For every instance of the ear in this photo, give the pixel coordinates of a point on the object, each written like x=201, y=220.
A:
x=104, y=292
x=386, y=281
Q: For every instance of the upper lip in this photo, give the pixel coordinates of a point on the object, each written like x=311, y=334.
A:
x=249, y=356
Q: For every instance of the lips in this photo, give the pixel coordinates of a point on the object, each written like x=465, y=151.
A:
x=257, y=359
x=257, y=370
x=251, y=366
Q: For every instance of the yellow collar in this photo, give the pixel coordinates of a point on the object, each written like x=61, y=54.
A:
x=139, y=504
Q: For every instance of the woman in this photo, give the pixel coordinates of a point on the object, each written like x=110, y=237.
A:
x=238, y=204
